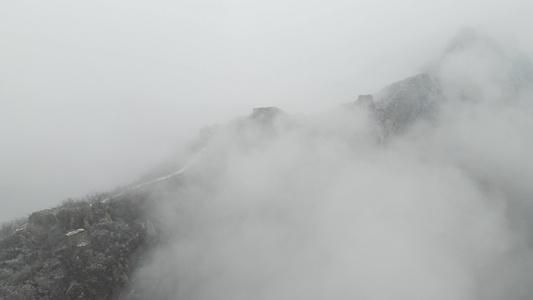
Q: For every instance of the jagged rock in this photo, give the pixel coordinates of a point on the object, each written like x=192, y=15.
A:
x=401, y=104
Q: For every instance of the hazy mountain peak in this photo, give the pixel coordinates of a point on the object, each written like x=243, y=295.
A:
x=476, y=66
x=465, y=37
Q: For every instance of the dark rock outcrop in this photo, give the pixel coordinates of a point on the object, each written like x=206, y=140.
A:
x=403, y=103
x=81, y=250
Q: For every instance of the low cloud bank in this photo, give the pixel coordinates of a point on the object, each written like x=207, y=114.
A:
x=316, y=207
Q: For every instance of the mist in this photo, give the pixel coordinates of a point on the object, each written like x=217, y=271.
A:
x=314, y=206
x=97, y=94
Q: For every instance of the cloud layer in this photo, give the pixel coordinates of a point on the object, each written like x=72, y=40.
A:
x=316, y=207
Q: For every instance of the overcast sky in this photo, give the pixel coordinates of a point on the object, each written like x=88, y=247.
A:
x=95, y=93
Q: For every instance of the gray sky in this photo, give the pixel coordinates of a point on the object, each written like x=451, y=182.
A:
x=95, y=93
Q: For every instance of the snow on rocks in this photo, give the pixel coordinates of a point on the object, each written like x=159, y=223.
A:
x=74, y=232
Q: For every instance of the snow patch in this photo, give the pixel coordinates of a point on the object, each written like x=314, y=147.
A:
x=74, y=232
x=21, y=228
x=82, y=244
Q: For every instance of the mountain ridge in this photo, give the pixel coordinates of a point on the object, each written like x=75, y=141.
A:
x=95, y=249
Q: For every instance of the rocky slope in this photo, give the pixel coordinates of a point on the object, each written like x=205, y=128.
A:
x=82, y=249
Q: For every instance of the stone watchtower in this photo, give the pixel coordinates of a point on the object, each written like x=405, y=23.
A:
x=364, y=100
x=266, y=114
